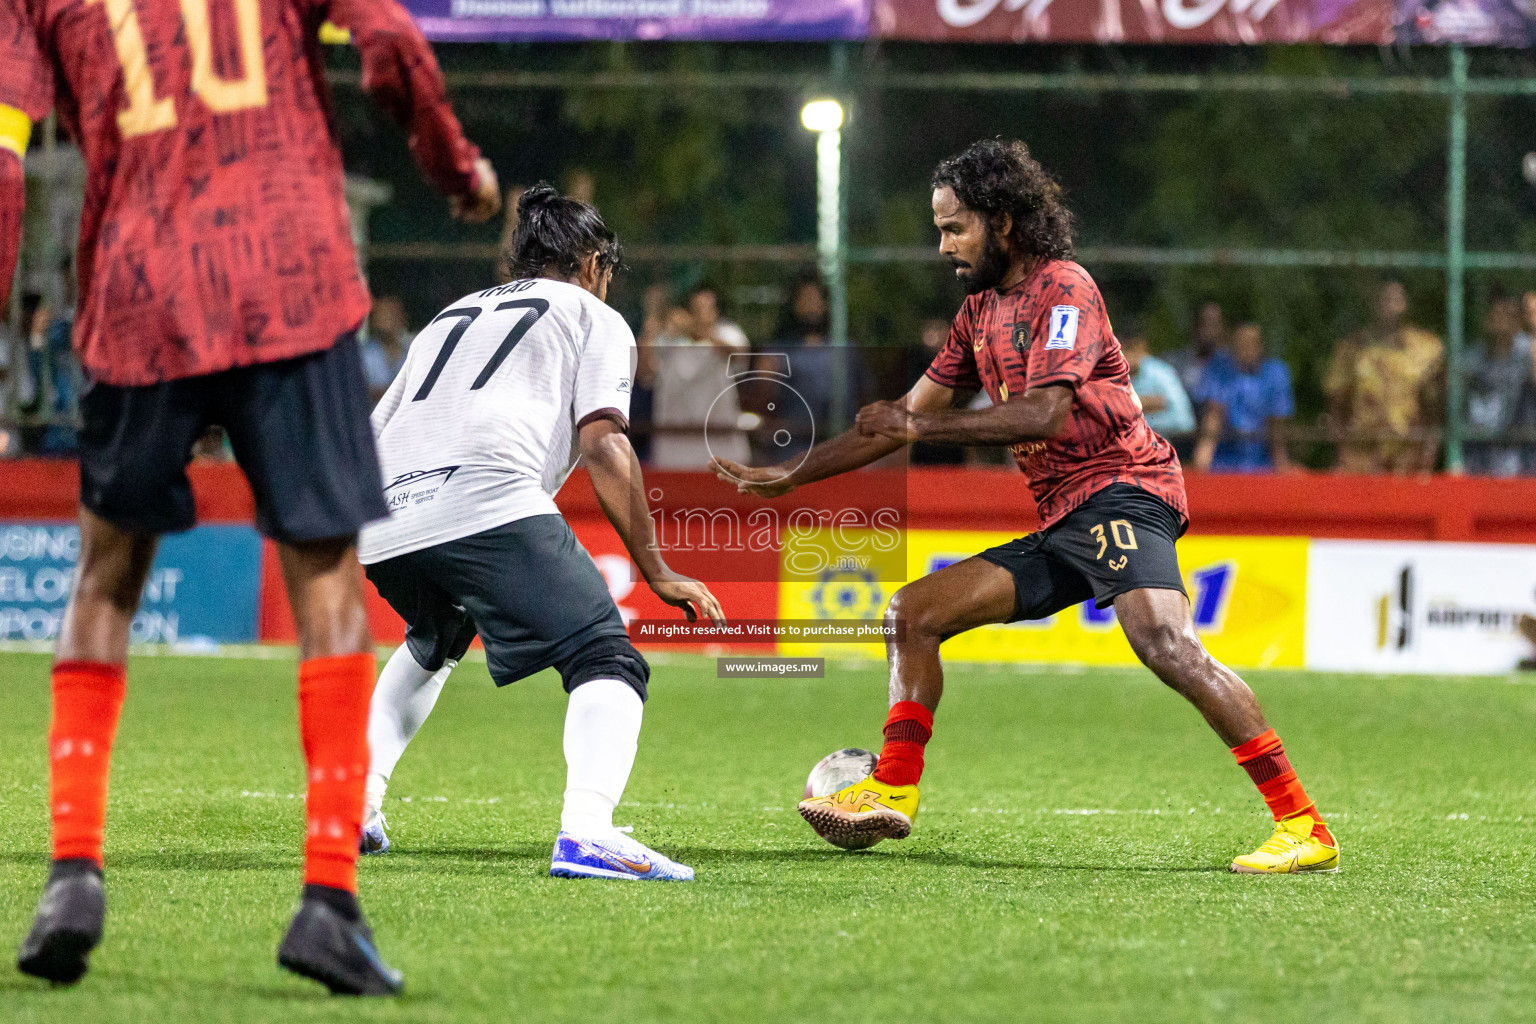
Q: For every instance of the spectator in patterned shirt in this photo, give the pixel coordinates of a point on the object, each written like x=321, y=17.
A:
x=1385, y=385
x=1248, y=405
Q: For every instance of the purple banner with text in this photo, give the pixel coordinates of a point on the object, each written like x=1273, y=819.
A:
x=562, y=20
x=1474, y=22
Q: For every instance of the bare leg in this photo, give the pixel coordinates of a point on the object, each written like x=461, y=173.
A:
x=114, y=564
x=325, y=590
x=957, y=598
x=1161, y=632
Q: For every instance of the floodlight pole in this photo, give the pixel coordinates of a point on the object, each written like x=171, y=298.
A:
x=832, y=243
x=1455, y=260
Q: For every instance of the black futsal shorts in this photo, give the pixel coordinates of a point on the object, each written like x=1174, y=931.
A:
x=298, y=427
x=1119, y=540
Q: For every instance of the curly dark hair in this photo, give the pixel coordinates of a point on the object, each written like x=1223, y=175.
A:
x=997, y=176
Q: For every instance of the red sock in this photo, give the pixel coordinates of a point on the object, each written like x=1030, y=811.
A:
x=907, y=730
x=1263, y=758
x=87, y=700
x=333, y=719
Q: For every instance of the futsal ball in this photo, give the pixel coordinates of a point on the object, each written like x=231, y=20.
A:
x=838, y=769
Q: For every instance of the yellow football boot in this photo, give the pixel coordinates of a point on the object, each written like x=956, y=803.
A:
x=1291, y=850
x=860, y=815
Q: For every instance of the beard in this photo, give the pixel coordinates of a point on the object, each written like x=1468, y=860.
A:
x=989, y=270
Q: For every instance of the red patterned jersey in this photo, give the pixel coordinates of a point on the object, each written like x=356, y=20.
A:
x=1052, y=329
x=215, y=232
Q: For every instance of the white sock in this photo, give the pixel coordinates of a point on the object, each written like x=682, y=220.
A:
x=602, y=733
x=402, y=700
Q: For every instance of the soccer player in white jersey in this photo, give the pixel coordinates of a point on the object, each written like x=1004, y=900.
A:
x=497, y=400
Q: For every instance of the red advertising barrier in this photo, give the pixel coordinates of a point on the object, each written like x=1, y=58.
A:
x=1311, y=505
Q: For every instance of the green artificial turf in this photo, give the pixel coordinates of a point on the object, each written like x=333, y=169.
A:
x=1068, y=864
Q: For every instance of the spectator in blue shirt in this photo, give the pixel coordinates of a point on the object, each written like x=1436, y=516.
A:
x=1157, y=384
x=1249, y=402
x=389, y=336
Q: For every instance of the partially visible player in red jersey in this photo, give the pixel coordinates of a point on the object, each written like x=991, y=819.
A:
x=218, y=285
x=1034, y=334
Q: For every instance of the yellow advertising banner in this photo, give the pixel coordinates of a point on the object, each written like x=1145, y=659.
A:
x=1247, y=595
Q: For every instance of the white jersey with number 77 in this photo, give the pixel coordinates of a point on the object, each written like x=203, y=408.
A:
x=480, y=426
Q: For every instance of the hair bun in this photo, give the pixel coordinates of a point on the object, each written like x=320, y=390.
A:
x=534, y=198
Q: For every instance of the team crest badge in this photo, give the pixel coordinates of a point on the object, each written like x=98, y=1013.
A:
x=1021, y=338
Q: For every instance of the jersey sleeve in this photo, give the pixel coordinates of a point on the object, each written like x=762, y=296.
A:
x=26, y=95
x=605, y=374
x=26, y=76
x=401, y=74
x=955, y=365
x=1070, y=330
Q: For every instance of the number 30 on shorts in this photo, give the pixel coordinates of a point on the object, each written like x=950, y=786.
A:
x=1120, y=531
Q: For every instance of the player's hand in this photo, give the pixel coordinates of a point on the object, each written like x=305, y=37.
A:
x=484, y=202
x=886, y=419
x=758, y=481
x=691, y=596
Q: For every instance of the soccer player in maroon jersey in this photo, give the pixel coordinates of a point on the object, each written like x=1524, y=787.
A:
x=218, y=285
x=1034, y=333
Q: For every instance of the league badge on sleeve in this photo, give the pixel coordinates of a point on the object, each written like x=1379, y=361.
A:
x=1063, y=327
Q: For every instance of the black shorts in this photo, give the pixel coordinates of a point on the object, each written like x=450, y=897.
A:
x=1119, y=540
x=299, y=429
x=528, y=588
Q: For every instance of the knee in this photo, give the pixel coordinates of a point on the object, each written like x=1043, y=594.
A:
x=608, y=657
x=1171, y=651
x=115, y=576
x=920, y=617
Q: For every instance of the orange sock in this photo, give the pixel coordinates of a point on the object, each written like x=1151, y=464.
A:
x=333, y=719
x=908, y=728
x=87, y=700
x=1263, y=758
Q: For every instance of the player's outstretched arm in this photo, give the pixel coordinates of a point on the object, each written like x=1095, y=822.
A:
x=853, y=449
x=620, y=491
x=402, y=76
x=1036, y=415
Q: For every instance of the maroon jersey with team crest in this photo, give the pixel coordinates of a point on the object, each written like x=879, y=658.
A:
x=1051, y=328
x=215, y=232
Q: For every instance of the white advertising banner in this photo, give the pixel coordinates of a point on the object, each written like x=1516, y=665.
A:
x=1390, y=606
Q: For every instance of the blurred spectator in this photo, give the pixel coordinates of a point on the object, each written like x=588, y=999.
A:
x=47, y=380
x=1208, y=345
x=1157, y=384
x=1385, y=385
x=693, y=385
x=653, y=328
x=1497, y=378
x=582, y=186
x=934, y=334
x=389, y=337
x=508, y=228
x=1525, y=341
x=1248, y=406
x=803, y=337
x=10, y=437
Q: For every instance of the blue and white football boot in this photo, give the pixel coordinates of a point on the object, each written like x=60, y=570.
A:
x=615, y=855
x=374, y=838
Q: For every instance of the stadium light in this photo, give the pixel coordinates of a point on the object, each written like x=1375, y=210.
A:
x=825, y=117
x=822, y=115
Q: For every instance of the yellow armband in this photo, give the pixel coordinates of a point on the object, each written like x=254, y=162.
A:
x=15, y=130
x=334, y=35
